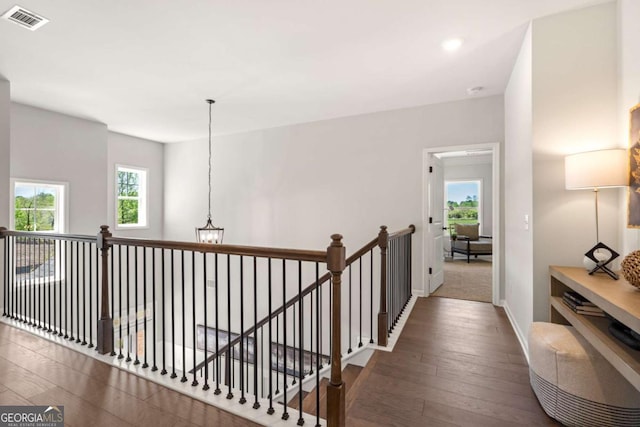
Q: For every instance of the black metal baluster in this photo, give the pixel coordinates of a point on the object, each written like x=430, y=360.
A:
x=184, y=332
x=311, y=294
x=318, y=340
x=66, y=290
x=121, y=315
x=84, y=294
x=300, y=340
x=360, y=298
x=38, y=271
x=256, y=405
x=30, y=294
x=6, y=293
x=144, y=306
x=349, y=350
x=371, y=295
x=91, y=294
x=112, y=285
x=320, y=325
x=51, y=282
x=293, y=344
x=206, y=324
x=78, y=340
x=285, y=414
x=228, y=356
x=164, y=314
x=193, y=313
x=243, y=400
x=330, y=319
x=71, y=304
x=270, y=411
x=217, y=304
x=153, y=298
x=135, y=303
x=90, y=299
x=173, y=323
x=98, y=297
x=278, y=354
x=129, y=343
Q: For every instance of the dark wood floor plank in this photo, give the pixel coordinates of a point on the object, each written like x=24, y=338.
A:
x=93, y=392
x=457, y=360
x=21, y=381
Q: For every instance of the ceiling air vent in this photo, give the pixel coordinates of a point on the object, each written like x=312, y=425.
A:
x=24, y=18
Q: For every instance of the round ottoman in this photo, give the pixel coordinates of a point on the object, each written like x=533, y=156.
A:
x=574, y=383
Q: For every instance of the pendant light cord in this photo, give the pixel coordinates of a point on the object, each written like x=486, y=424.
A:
x=210, y=101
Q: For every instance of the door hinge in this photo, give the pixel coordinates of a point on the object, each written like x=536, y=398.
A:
x=430, y=169
x=430, y=270
x=430, y=220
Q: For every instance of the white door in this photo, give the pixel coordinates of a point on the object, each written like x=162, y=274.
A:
x=435, y=223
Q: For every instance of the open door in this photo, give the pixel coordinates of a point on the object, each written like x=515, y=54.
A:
x=436, y=222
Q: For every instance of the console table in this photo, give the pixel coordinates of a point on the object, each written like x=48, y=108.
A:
x=616, y=297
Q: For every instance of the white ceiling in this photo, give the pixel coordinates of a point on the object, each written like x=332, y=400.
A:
x=145, y=67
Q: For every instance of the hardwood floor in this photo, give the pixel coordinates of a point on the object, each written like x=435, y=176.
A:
x=34, y=371
x=456, y=363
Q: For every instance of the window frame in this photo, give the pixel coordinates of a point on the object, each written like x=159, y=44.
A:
x=143, y=197
x=62, y=207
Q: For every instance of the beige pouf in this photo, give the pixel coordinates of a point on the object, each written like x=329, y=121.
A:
x=574, y=383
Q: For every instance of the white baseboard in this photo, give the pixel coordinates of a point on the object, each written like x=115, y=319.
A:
x=522, y=339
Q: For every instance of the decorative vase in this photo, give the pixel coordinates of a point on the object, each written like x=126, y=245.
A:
x=631, y=268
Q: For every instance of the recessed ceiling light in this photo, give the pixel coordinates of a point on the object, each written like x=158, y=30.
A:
x=451, y=45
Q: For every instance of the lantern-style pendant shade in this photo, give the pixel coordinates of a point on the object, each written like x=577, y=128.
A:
x=209, y=233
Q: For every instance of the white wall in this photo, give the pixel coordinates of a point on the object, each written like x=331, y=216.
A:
x=474, y=168
x=518, y=192
x=130, y=151
x=51, y=146
x=294, y=186
x=629, y=95
x=574, y=109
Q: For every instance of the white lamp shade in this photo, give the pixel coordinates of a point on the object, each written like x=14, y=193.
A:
x=596, y=169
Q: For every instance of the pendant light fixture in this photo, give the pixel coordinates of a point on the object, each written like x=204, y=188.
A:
x=209, y=233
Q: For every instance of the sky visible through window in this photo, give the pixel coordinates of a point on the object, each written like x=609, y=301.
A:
x=458, y=191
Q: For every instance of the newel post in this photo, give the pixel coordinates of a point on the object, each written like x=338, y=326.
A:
x=105, y=324
x=335, y=389
x=383, y=325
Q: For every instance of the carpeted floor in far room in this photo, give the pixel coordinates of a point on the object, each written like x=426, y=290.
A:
x=470, y=281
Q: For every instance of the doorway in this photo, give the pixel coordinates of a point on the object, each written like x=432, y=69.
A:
x=472, y=169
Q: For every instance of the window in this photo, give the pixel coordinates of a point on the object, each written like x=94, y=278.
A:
x=131, y=197
x=38, y=206
x=463, y=202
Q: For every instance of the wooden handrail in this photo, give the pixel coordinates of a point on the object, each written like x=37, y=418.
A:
x=257, y=251
x=409, y=230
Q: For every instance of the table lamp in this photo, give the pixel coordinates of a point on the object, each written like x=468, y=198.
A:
x=595, y=170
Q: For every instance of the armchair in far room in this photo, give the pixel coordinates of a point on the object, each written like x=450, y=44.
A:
x=468, y=241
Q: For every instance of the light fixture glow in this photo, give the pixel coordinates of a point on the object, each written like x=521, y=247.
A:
x=451, y=45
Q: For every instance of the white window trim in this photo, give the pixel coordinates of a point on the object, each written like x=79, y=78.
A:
x=143, y=206
x=63, y=205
